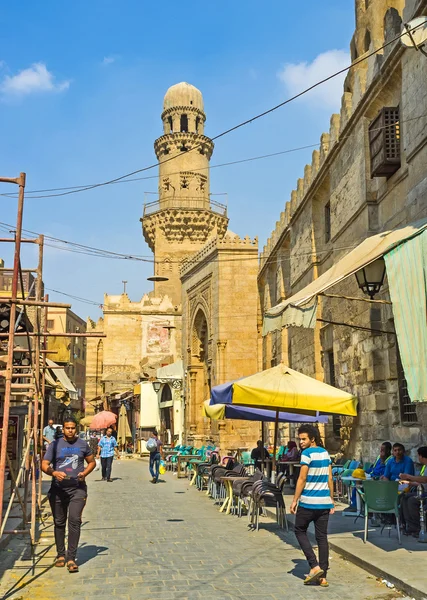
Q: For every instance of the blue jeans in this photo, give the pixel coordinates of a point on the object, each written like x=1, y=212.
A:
x=155, y=465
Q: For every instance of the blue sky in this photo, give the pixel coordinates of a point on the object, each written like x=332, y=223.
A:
x=81, y=90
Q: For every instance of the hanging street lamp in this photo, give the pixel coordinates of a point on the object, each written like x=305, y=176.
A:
x=371, y=277
x=157, y=385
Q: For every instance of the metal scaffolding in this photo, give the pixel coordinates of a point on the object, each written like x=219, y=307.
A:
x=24, y=384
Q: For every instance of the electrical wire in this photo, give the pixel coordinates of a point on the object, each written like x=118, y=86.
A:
x=114, y=255
x=366, y=56
x=209, y=167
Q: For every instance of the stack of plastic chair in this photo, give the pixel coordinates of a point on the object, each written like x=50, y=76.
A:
x=242, y=489
x=266, y=494
x=237, y=470
x=204, y=469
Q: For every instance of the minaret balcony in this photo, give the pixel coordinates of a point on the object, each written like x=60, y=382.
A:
x=185, y=203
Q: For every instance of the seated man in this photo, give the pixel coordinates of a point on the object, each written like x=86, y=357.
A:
x=258, y=453
x=378, y=468
x=409, y=503
x=399, y=464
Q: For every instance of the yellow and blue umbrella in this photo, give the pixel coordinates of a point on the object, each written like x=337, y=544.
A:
x=283, y=389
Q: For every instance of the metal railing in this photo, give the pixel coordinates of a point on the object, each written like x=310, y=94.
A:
x=191, y=203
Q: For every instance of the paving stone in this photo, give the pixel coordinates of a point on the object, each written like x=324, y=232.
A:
x=146, y=542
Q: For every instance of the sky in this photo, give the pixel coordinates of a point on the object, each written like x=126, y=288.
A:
x=81, y=92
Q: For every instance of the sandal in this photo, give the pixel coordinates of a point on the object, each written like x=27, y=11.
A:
x=323, y=583
x=72, y=567
x=60, y=561
x=314, y=576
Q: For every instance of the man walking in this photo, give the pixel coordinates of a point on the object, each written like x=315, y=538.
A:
x=49, y=433
x=313, y=502
x=64, y=461
x=154, y=446
x=106, y=447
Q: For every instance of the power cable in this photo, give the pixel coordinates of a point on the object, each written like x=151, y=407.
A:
x=366, y=56
x=114, y=255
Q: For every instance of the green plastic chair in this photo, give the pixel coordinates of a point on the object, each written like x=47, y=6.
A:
x=367, y=466
x=380, y=497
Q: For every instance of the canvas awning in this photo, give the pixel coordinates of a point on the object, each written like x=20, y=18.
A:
x=172, y=371
x=304, y=302
x=63, y=379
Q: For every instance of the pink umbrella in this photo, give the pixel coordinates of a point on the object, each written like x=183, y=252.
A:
x=103, y=419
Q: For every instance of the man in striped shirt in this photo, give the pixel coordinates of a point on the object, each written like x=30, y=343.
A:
x=313, y=502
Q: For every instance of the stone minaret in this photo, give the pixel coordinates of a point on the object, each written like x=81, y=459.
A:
x=183, y=218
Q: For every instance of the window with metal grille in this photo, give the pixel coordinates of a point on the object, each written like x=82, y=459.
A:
x=50, y=323
x=327, y=222
x=384, y=142
x=408, y=410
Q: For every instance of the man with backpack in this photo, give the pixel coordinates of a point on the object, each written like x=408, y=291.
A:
x=64, y=461
x=154, y=447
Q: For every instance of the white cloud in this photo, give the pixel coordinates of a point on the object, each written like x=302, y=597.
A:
x=297, y=77
x=35, y=79
x=108, y=60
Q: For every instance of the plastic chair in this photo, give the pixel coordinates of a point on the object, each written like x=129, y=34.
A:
x=380, y=497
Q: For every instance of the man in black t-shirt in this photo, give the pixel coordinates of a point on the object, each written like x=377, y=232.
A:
x=258, y=454
x=65, y=461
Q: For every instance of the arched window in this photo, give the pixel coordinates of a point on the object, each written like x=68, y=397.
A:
x=197, y=124
x=367, y=40
x=166, y=394
x=184, y=123
x=170, y=124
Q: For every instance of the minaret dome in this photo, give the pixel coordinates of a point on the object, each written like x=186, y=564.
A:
x=183, y=94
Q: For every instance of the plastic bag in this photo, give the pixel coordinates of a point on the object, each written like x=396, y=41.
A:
x=98, y=464
x=162, y=468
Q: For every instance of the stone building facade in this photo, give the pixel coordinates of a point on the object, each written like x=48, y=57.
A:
x=70, y=352
x=348, y=193
x=140, y=338
x=219, y=333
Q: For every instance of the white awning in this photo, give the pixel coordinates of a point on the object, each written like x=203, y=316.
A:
x=365, y=253
x=63, y=379
x=172, y=371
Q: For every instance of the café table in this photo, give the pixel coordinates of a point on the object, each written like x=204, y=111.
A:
x=179, y=459
x=228, y=483
x=195, y=462
x=358, y=481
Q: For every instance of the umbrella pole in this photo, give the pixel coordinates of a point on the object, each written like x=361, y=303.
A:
x=263, y=442
x=276, y=428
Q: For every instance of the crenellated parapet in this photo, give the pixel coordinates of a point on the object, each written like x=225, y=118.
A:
x=148, y=304
x=377, y=22
x=231, y=241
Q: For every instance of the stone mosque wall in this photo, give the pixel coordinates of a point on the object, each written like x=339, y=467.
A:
x=337, y=205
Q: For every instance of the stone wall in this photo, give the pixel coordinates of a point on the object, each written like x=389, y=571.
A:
x=220, y=333
x=365, y=362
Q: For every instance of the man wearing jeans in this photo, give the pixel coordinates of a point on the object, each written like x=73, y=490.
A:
x=65, y=462
x=106, y=447
x=313, y=502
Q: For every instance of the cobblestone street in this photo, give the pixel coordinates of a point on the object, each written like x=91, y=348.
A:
x=143, y=542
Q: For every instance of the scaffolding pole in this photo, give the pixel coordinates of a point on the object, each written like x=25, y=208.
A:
x=26, y=384
x=20, y=181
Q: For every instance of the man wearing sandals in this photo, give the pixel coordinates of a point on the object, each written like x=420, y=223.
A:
x=313, y=502
x=64, y=461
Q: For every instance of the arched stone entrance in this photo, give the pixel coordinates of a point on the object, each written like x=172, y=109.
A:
x=199, y=376
x=166, y=415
